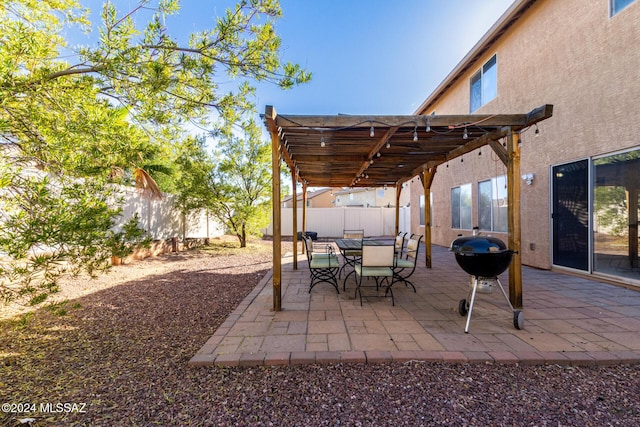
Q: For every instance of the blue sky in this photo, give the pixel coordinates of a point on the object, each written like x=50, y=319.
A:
x=375, y=57
x=367, y=57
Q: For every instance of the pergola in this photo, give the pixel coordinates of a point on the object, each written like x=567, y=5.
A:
x=378, y=151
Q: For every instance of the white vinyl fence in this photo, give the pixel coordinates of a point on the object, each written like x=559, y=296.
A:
x=330, y=222
x=163, y=220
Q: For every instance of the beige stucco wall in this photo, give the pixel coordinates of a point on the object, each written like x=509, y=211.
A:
x=568, y=53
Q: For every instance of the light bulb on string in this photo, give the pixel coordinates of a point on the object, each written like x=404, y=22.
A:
x=372, y=132
x=322, y=144
x=537, y=132
x=428, y=129
x=388, y=145
x=415, y=134
x=465, y=135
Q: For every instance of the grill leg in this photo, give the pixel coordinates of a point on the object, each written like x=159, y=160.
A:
x=504, y=293
x=473, y=297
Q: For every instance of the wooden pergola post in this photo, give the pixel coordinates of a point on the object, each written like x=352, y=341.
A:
x=632, y=203
x=398, y=191
x=304, y=212
x=513, y=218
x=294, y=192
x=426, y=177
x=277, y=213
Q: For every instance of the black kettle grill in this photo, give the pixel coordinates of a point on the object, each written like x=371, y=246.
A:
x=484, y=258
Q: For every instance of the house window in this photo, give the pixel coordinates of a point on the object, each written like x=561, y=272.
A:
x=430, y=209
x=618, y=5
x=484, y=84
x=492, y=204
x=461, y=207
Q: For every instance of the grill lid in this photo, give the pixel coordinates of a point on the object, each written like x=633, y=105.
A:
x=469, y=245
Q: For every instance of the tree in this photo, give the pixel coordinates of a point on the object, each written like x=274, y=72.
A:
x=241, y=182
x=110, y=117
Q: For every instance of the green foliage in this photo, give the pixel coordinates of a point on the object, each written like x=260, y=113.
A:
x=49, y=226
x=611, y=209
x=241, y=182
x=122, y=243
x=111, y=113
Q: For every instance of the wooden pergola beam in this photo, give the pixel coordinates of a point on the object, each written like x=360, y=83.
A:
x=376, y=148
x=459, y=120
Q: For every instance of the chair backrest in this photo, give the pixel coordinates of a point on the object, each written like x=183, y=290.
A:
x=399, y=242
x=377, y=255
x=308, y=244
x=413, y=245
x=352, y=234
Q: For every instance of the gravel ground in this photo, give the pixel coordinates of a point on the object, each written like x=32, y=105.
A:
x=115, y=350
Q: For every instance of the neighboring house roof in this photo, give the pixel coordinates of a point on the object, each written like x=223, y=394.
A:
x=310, y=195
x=513, y=14
x=354, y=190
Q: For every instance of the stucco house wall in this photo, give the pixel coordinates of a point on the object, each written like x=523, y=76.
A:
x=365, y=197
x=315, y=199
x=569, y=53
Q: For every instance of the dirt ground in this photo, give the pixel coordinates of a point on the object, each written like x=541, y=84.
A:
x=114, y=352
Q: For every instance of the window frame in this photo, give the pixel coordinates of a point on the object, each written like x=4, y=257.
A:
x=478, y=80
x=422, y=206
x=494, y=183
x=614, y=9
x=464, y=212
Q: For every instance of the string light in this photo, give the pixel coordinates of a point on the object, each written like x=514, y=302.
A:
x=415, y=134
x=465, y=135
x=388, y=145
x=372, y=131
x=428, y=129
x=537, y=132
x=322, y=144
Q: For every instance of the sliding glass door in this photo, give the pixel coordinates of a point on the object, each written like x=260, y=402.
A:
x=615, y=238
x=570, y=216
x=595, y=222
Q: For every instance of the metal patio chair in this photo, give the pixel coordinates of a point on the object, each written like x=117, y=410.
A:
x=351, y=256
x=405, y=264
x=399, y=242
x=323, y=266
x=377, y=262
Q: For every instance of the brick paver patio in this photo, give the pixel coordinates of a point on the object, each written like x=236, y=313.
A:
x=568, y=320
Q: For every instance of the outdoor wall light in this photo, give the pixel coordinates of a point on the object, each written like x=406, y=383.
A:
x=528, y=178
